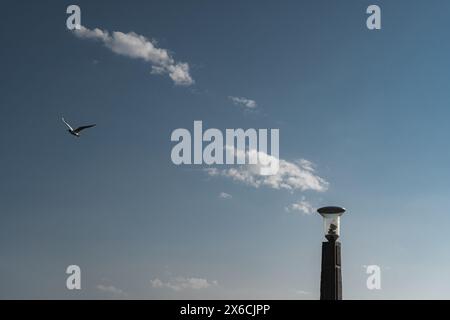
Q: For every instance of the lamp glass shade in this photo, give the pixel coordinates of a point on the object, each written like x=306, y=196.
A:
x=332, y=225
x=331, y=221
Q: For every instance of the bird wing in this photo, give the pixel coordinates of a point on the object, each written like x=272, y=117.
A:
x=77, y=130
x=67, y=124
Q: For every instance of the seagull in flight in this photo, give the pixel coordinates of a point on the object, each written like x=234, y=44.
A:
x=76, y=132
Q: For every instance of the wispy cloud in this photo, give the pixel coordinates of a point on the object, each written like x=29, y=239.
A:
x=298, y=175
x=302, y=206
x=302, y=292
x=182, y=283
x=111, y=290
x=243, y=102
x=224, y=195
x=136, y=46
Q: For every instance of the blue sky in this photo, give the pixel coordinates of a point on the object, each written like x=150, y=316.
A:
x=369, y=109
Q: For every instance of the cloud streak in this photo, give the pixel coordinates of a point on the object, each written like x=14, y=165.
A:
x=224, y=195
x=182, y=283
x=136, y=46
x=243, y=102
x=302, y=206
x=298, y=175
x=111, y=290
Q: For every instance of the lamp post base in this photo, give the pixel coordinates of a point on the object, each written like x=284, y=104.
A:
x=331, y=277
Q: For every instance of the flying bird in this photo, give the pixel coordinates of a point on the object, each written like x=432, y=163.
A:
x=76, y=132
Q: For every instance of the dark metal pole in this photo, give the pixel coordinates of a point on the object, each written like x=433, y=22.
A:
x=331, y=277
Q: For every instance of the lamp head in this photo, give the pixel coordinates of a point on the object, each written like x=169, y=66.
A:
x=331, y=218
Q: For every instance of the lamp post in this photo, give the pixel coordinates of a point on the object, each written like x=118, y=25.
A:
x=331, y=277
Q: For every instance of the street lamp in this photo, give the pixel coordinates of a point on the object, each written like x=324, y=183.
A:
x=331, y=277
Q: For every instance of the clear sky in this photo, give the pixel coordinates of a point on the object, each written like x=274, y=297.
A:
x=369, y=110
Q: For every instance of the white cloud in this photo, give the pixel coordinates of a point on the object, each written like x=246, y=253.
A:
x=111, y=290
x=182, y=283
x=299, y=175
x=224, y=195
x=156, y=283
x=243, y=102
x=302, y=206
x=135, y=46
x=95, y=34
x=302, y=292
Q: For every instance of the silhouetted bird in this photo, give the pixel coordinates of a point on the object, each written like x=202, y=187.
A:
x=76, y=132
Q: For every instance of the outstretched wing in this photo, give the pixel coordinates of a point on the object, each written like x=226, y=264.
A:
x=67, y=124
x=77, y=130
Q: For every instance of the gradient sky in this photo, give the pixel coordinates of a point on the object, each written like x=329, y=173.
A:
x=370, y=109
